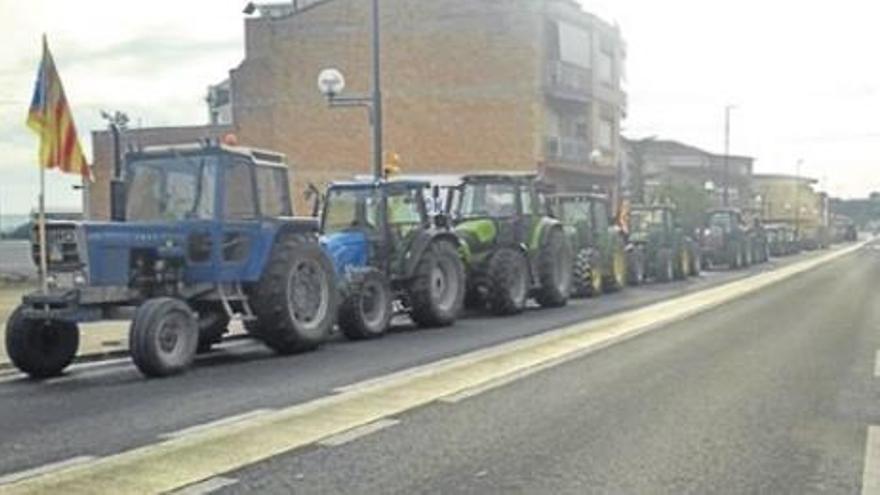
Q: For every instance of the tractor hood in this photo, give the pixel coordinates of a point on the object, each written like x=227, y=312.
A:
x=477, y=232
x=110, y=248
x=347, y=249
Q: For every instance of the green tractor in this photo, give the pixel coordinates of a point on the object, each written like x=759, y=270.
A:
x=660, y=244
x=600, y=259
x=512, y=248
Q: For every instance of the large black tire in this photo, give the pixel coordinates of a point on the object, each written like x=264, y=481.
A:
x=580, y=274
x=508, y=276
x=42, y=349
x=635, y=268
x=616, y=279
x=554, y=271
x=747, y=254
x=163, y=337
x=736, y=257
x=682, y=264
x=438, y=289
x=296, y=300
x=213, y=324
x=696, y=261
x=665, y=266
x=366, y=311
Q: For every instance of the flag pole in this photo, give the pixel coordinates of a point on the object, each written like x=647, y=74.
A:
x=41, y=232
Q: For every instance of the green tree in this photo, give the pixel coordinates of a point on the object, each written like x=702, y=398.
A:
x=690, y=201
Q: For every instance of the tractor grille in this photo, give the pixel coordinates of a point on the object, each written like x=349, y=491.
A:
x=61, y=247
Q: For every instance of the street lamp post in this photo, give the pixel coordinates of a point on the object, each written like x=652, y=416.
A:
x=332, y=83
x=797, y=199
x=726, y=194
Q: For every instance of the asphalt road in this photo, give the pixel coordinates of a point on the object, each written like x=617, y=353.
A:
x=771, y=393
x=732, y=396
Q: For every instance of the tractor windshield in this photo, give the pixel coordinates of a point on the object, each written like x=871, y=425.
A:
x=645, y=220
x=495, y=200
x=171, y=188
x=575, y=212
x=721, y=220
x=351, y=208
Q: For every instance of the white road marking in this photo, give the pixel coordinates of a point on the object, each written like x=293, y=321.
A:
x=45, y=469
x=356, y=433
x=208, y=486
x=871, y=472
x=220, y=422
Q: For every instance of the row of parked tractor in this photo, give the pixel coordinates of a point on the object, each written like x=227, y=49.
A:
x=203, y=235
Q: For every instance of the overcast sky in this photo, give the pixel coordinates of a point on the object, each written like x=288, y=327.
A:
x=804, y=75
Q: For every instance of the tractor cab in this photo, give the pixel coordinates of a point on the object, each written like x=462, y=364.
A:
x=390, y=255
x=585, y=215
x=372, y=223
x=646, y=222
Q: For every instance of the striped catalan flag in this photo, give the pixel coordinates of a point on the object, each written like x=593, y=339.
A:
x=51, y=119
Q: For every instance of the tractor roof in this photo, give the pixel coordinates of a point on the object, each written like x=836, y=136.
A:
x=264, y=158
x=652, y=207
x=382, y=183
x=725, y=209
x=500, y=177
x=579, y=196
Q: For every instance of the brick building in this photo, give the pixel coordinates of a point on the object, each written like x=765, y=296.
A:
x=467, y=85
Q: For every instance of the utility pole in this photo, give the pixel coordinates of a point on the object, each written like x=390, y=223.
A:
x=331, y=83
x=726, y=193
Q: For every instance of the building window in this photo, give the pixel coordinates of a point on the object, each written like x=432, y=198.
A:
x=606, y=68
x=575, y=45
x=606, y=134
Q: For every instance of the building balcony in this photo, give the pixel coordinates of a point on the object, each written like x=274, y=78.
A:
x=568, y=81
x=571, y=150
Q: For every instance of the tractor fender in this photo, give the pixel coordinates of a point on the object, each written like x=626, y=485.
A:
x=542, y=233
x=423, y=242
x=270, y=232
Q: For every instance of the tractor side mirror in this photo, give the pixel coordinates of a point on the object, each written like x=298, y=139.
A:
x=117, y=200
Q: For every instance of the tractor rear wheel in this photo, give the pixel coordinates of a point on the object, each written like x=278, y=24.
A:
x=40, y=348
x=296, y=299
x=554, y=271
x=665, y=266
x=163, y=337
x=508, y=282
x=366, y=311
x=580, y=273
x=682, y=264
x=635, y=267
x=438, y=290
x=696, y=262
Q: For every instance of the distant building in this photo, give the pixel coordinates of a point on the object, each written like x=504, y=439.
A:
x=655, y=163
x=219, y=100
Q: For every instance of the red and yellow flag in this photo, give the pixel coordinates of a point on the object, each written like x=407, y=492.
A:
x=51, y=119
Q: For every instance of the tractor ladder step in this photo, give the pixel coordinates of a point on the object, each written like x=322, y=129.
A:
x=233, y=293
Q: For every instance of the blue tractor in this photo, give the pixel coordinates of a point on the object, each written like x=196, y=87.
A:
x=205, y=235
x=391, y=256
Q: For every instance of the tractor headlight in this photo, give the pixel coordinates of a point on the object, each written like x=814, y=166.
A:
x=79, y=279
x=51, y=281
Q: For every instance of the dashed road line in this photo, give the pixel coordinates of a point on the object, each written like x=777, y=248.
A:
x=357, y=433
x=238, y=418
x=205, y=487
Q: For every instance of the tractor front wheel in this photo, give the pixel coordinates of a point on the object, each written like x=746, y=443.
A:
x=163, y=337
x=296, y=299
x=554, y=271
x=682, y=264
x=437, y=292
x=366, y=311
x=580, y=283
x=508, y=282
x=40, y=348
x=665, y=266
x=617, y=279
x=635, y=267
